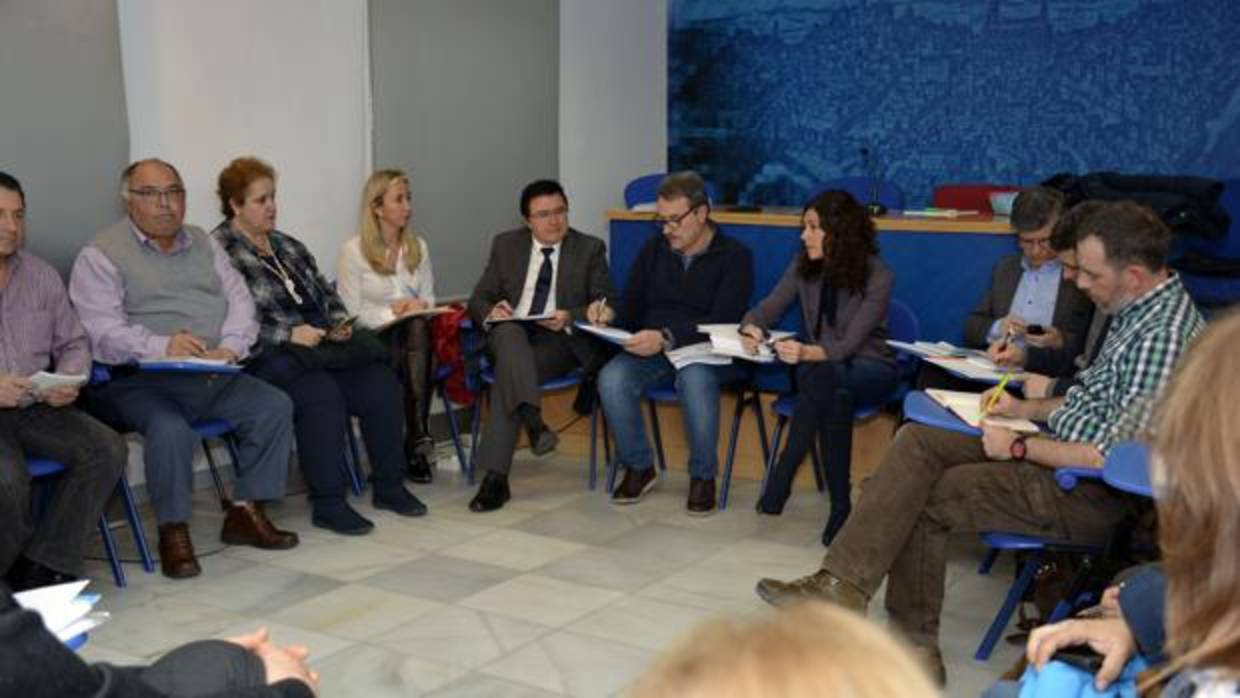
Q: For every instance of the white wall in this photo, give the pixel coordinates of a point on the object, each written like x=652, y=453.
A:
x=285, y=80
x=613, y=101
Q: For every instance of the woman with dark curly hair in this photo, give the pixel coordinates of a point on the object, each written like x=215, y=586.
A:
x=844, y=289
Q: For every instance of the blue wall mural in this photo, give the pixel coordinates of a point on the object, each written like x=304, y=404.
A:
x=767, y=98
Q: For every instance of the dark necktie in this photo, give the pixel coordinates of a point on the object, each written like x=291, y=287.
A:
x=542, y=287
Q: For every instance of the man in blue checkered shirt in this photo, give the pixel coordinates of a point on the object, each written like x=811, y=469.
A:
x=934, y=482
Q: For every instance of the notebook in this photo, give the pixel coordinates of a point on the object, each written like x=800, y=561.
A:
x=968, y=407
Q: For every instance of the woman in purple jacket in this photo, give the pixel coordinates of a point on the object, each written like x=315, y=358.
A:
x=844, y=361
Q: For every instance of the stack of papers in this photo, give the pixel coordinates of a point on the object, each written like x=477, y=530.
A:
x=971, y=364
x=968, y=407
x=48, y=381
x=700, y=353
x=65, y=610
x=726, y=340
x=189, y=364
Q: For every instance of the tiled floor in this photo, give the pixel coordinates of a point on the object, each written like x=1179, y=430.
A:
x=559, y=593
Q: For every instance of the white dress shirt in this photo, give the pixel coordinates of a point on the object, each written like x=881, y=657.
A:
x=531, y=277
x=369, y=295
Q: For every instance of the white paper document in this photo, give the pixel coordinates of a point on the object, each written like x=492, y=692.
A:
x=976, y=369
x=187, y=362
x=725, y=340
x=47, y=381
x=615, y=335
x=968, y=407
x=700, y=353
x=525, y=318
x=428, y=312
x=65, y=610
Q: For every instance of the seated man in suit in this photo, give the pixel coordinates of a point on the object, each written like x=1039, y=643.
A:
x=1051, y=370
x=933, y=482
x=542, y=267
x=149, y=287
x=689, y=274
x=39, y=331
x=1030, y=289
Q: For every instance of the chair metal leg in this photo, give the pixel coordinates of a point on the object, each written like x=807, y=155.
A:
x=476, y=423
x=452, y=426
x=594, y=445
x=989, y=561
x=353, y=461
x=135, y=524
x=109, y=546
x=737, y=414
x=780, y=422
x=1017, y=590
x=760, y=419
x=658, y=434
x=215, y=474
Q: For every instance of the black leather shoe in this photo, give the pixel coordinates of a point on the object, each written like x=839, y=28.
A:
x=399, y=500
x=635, y=485
x=28, y=574
x=543, y=441
x=420, y=469
x=492, y=493
x=338, y=517
x=701, y=500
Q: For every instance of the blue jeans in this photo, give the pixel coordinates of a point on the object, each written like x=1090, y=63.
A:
x=622, y=385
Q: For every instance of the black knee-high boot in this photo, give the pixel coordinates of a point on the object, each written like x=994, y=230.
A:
x=837, y=457
x=411, y=348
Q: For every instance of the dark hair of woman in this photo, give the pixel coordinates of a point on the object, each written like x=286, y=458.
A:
x=849, y=244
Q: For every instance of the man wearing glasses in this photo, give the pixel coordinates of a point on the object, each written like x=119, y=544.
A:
x=689, y=274
x=1030, y=303
x=548, y=270
x=151, y=287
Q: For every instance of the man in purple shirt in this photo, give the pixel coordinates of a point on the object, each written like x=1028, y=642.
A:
x=151, y=287
x=39, y=331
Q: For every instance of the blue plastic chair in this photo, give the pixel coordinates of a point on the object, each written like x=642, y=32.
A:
x=479, y=383
x=644, y=190
x=746, y=395
x=1123, y=468
x=902, y=325
x=44, y=469
x=862, y=189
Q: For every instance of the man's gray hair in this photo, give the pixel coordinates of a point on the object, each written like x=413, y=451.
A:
x=127, y=175
x=688, y=184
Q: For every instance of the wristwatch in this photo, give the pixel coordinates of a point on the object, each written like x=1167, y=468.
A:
x=1018, y=448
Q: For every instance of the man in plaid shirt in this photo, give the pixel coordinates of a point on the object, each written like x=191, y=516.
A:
x=933, y=482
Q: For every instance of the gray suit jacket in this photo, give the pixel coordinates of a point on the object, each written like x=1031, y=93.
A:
x=860, y=318
x=581, y=275
x=1073, y=309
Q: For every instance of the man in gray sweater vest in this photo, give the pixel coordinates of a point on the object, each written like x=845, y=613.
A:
x=150, y=287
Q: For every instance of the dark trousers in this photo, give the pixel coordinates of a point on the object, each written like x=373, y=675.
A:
x=827, y=393
x=161, y=407
x=932, y=483
x=412, y=351
x=524, y=357
x=323, y=402
x=94, y=457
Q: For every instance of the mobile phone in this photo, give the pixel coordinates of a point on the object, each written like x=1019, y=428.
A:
x=1081, y=656
x=347, y=322
x=1035, y=329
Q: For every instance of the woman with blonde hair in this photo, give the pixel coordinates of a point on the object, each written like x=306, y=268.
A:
x=384, y=274
x=1197, y=493
x=808, y=650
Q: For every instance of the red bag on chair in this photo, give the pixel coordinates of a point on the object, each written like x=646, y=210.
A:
x=446, y=334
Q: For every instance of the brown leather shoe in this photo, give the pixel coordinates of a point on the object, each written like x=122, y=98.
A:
x=246, y=524
x=701, y=500
x=819, y=586
x=176, y=552
x=635, y=485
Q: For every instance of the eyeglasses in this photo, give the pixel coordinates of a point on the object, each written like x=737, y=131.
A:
x=560, y=212
x=673, y=222
x=156, y=196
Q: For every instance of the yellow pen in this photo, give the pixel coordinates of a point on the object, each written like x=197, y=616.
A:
x=994, y=397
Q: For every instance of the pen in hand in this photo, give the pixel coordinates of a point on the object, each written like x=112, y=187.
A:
x=994, y=397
